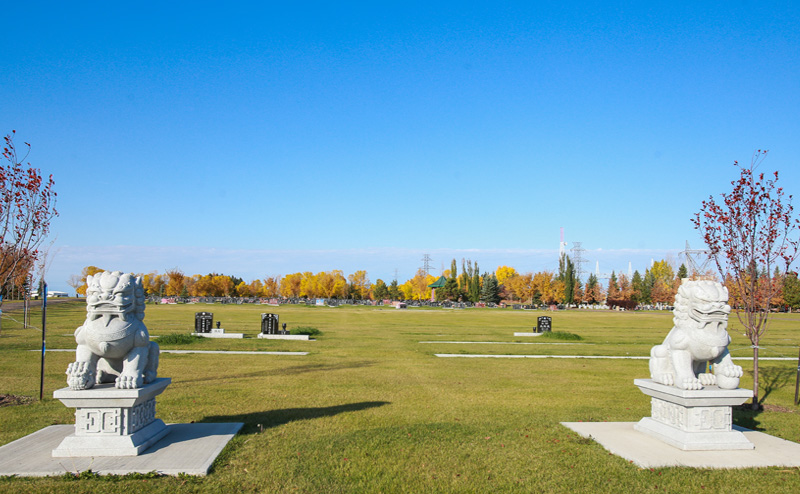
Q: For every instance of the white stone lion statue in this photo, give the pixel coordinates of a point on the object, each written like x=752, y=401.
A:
x=113, y=343
x=699, y=337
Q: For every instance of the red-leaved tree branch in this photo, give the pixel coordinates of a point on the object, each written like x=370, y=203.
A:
x=27, y=205
x=750, y=232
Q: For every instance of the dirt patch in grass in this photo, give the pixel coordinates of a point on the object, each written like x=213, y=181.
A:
x=778, y=408
x=9, y=400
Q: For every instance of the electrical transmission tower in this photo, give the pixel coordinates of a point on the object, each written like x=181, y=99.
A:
x=426, y=264
x=696, y=260
x=598, y=274
x=578, y=260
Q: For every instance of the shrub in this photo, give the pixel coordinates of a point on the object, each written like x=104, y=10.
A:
x=307, y=330
x=177, y=339
x=561, y=335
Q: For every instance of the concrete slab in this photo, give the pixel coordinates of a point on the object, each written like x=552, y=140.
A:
x=231, y=352
x=284, y=337
x=468, y=355
x=219, y=335
x=528, y=334
x=187, y=448
x=503, y=343
x=621, y=439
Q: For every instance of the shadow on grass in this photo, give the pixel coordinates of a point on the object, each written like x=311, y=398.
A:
x=770, y=379
x=258, y=421
x=288, y=371
x=745, y=416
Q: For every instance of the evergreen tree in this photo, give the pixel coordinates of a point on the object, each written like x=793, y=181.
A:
x=567, y=275
x=490, y=293
x=683, y=272
x=637, y=284
x=380, y=291
x=463, y=279
x=449, y=291
x=569, y=282
x=474, y=293
x=394, y=291
x=457, y=286
x=648, y=283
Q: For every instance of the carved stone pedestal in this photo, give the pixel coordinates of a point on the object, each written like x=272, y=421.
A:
x=111, y=421
x=693, y=419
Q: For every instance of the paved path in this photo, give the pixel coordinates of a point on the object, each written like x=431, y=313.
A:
x=219, y=352
x=503, y=343
x=463, y=355
x=19, y=304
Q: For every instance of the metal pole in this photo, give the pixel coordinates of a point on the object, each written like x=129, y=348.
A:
x=797, y=381
x=44, y=332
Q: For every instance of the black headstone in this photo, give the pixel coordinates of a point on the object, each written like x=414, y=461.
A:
x=544, y=323
x=203, y=322
x=269, y=323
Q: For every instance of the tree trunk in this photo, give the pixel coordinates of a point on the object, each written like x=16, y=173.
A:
x=755, y=405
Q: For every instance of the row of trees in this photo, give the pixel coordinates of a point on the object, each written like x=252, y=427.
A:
x=658, y=285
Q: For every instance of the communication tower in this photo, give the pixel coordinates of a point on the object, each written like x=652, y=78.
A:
x=578, y=260
x=562, y=247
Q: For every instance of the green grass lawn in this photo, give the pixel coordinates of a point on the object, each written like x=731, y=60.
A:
x=371, y=409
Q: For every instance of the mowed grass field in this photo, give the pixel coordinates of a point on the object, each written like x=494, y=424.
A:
x=372, y=409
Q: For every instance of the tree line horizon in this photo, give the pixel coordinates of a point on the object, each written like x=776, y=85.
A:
x=658, y=285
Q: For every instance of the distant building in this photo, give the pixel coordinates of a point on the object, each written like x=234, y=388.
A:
x=50, y=294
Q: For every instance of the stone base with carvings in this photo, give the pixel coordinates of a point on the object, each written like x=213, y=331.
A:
x=696, y=420
x=111, y=421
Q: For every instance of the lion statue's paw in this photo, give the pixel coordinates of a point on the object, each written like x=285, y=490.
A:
x=729, y=370
x=728, y=375
x=666, y=379
x=80, y=376
x=691, y=383
x=707, y=379
x=128, y=382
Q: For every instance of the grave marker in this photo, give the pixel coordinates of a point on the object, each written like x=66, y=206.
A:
x=203, y=322
x=544, y=323
x=269, y=323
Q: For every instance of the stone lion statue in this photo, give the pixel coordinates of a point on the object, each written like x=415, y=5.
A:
x=699, y=337
x=113, y=343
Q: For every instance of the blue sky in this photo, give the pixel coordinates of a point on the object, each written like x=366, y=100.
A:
x=259, y=139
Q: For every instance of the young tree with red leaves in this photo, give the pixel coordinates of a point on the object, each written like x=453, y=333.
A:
x=27, y=204
x=749, y=233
